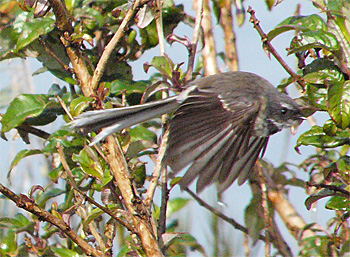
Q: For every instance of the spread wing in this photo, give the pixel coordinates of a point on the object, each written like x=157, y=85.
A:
x=213, y=137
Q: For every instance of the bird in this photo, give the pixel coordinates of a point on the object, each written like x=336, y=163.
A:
x=220, y=125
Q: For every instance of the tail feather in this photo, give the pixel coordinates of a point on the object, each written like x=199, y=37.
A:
x=114, y=120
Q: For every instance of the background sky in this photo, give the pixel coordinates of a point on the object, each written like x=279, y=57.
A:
x=16, y=74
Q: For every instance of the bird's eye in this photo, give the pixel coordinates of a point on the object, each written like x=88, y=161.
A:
x=284, y=110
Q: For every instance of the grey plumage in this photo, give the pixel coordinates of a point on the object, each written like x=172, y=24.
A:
x=221, y=124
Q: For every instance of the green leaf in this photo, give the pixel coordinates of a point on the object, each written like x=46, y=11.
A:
x=318, y=138
x=8, y=39
x=8, y=243
x=97, y=212
x=339, y=103
x=31, y=30
x=142, y=133
x=55, y=90
x=88, y=165
x=20, y=221
x=78, y=105
x=316, y=39
x=48, y=194
x=118, y=86
x=317, y=95
x=175, y=205
x=338, y=203
x=317, y=196
x=299, y=23
x=176, y=240
x=23, y=107
x=139, y=175
x=343, y=166
x=163, y=64
x=322, y=71
x=22, y=154
x=64, y=252
x=252, y=219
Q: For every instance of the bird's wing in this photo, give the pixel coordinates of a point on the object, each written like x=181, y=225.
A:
x=214, y=141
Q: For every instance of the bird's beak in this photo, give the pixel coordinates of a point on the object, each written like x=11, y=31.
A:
x=297, y=123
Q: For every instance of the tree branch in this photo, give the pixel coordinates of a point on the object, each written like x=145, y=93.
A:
x=266, y=42
x=209, y=50
x=196, y=33
x=29, y=205
x=226, y=21
x=142, y=219
x=75, y=56
x=231, y=221
x=102, y=63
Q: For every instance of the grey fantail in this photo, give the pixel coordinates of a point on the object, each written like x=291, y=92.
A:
x=220, y=125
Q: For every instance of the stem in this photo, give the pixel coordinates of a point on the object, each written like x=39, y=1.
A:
x=267, y=45
x=102, y=63
x=196, y=33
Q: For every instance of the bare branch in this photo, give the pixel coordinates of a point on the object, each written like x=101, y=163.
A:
x=265, y=207
x=226, y=21
x=196, y=33
x=209, y=50
x=156, y=172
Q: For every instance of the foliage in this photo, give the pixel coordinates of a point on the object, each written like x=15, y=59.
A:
x=29, y=29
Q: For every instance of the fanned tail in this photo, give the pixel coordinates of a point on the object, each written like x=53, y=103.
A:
x=114, y=120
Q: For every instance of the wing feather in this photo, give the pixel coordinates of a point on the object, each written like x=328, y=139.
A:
x=212, y=139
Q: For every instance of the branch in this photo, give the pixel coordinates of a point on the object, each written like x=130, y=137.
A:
x=226, y=22
x=343, y=192
x=140, y=215
x=221, y=215
x=29, y=205
x=266, y=42
x=73, y=51
x=265, y=208
x=25, y=127
x=61, y=14
x=86, y=197
x=289, y=215
x=102, y=63
x=274, y=234
x=196, y=33
x=156, y=172
x=209, y=50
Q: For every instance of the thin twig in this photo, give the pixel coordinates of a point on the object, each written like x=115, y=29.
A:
x=29, y=205
x=32, y=130
x=87, y=198
x=221, y=215
x=344, y=192
x=102, y=63
x=163, y=208
x=196, y=33
x=53, y=55
x=265, y=207
x=159, y=24
x=156, y=172
x=266, y=42
x=226, y=21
